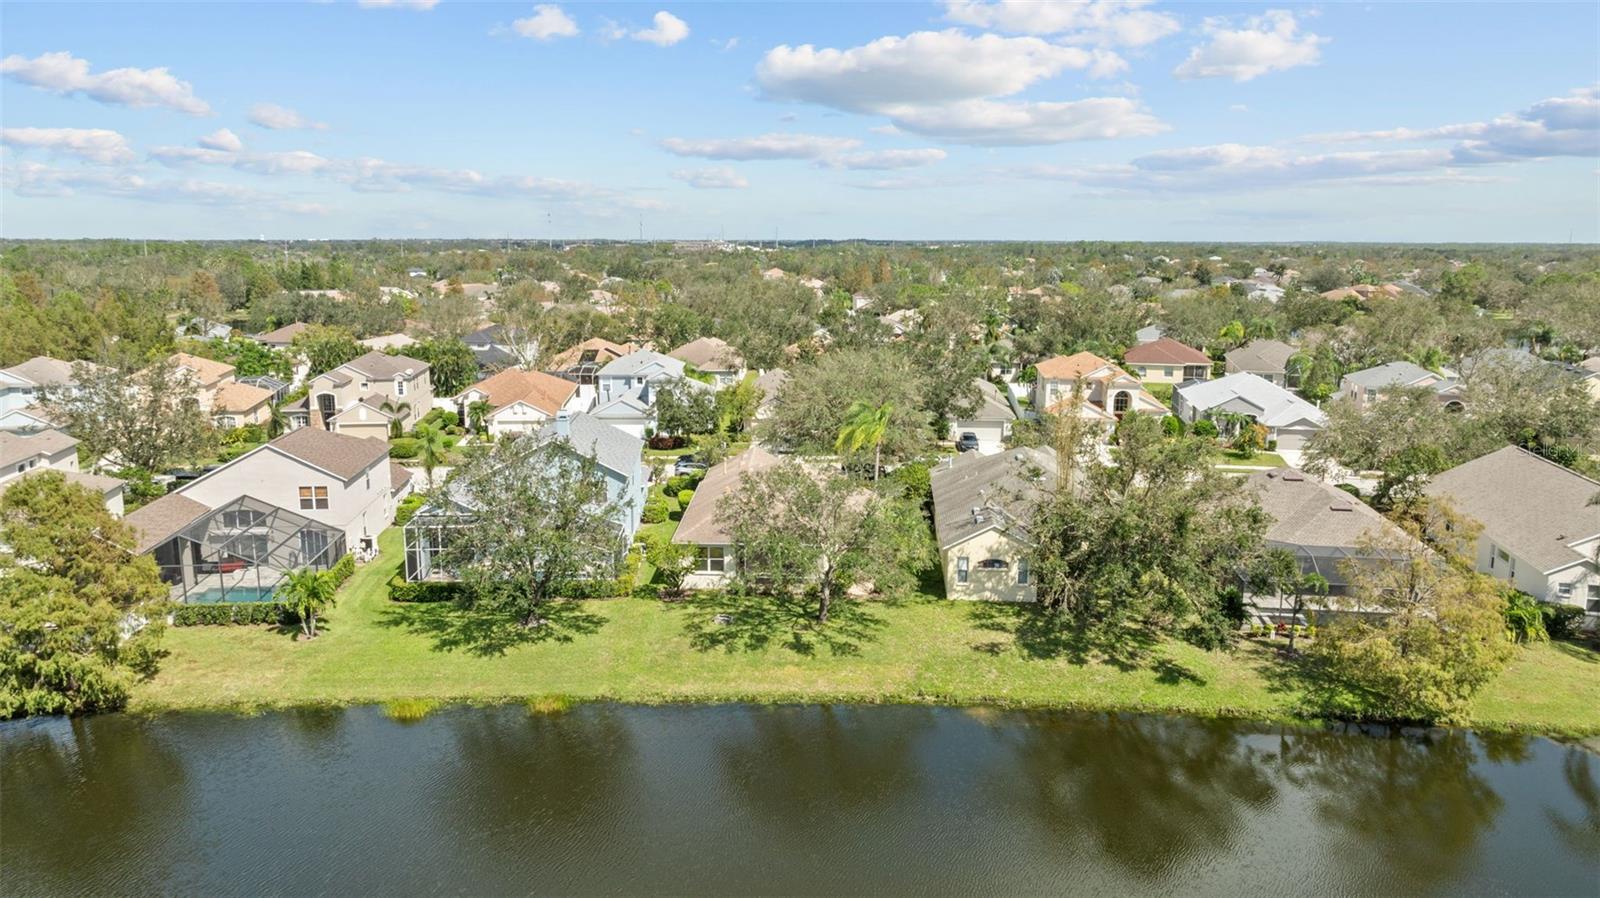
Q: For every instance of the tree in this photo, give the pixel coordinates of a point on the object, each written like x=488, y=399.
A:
x=145, y=419
x=450, y=315
x=796, y=530
x=684, y=408
x=1158, y=537
x=451, y=365
x=307, y=592
x=397, y=411
x=865, y=425
x=811, y=406
x=70, y=587
x=277, y=421
x=1524, y=620
x=542, y=520
x=430, y=448
x=737, y=404
x=1277, y=573
x=326, y=348
x=1440, y=634
x=672, y=561
x=477, y=412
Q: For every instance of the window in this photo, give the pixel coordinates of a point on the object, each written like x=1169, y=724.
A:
x=1022, y=572
x=1167, y=371
x=961, y=570
x=399, y=386
x=226, y=421
x=1121, y=402
x=1564, y=592
x=365, y=386
x=242, y=519
x=711, y=559
x=994, y=564
x=313, y=497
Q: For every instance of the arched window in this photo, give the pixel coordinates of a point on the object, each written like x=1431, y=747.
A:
x=1454, y=405
x=994, y=564
x=1121, y=402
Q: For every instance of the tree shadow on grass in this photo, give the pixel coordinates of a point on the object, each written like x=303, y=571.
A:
x=1576, y=651
x=488, y=633
x=733, y=622
x=1038, y=633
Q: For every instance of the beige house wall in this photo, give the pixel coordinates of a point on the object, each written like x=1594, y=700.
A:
x=989, y=586
x=361, y=506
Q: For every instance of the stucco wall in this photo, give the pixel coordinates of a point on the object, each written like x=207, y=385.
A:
x=360, y=507
x=982, y=585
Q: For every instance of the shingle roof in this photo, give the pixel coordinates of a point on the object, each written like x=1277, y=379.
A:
x=1261, y=356
x=634, y=362
x=992, y=406
x=699, y=525
x=205, y=370
x=709, y=354
x=337, y=453
x=238, y=397
x=1532, y=506
x=159, y=521
x=612, y=448
x=382, y=366
x=283, y=335
x=16, y=447
x=45, y=371
x=1279, y=407
x=542, y=391
x=1166, y=351
x=1390, y=374
x=1004, y=488
x=1071, y=367
x=399, y=476
x=1307, y=512
x=605, y=351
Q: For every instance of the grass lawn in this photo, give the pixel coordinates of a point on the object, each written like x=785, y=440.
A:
x=923, y=650
x=1230, y=458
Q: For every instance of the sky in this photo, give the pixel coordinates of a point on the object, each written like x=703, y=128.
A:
x=951, y=120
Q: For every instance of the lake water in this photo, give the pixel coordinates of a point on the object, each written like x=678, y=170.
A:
x=824, y=800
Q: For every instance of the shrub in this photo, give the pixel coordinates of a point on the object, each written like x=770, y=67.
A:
x=442, y=418
x=1350, y=488
x=408, y=710
x=1272, y=445
x=1172, y=425
x=229, y=453
x=1204, y=428
x=1561, y=621
x=655, y=510
x=404, y=447
x=914, y=478
x=343, y=569
x=663, y=441
x=232, y=614
x=683, y=498
x=407, y=509
x=401, y=590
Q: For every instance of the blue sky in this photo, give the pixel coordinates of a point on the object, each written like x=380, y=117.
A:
x=975, y=119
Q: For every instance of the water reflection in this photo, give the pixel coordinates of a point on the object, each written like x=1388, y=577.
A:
x=1581, y=830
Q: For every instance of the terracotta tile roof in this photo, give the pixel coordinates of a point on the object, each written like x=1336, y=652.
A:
x=544, y=392
x=1071, y=367
x=1166, y=351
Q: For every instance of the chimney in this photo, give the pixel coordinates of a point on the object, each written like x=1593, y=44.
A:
x=563, y=423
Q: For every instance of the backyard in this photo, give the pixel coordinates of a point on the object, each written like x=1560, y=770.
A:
x=919, y=650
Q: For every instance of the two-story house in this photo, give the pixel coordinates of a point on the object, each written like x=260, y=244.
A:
x=364, y=396
x=1541, y=533
x=1166, y=361
x=982, y=508
x=25, y=455
x=205, y=375
x=629, y=374
x=1099, y=390
x=25, y=383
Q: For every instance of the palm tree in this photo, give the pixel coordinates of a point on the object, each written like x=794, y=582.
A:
x=1232, y=334
x=476, y=413
x=277, y=421
x=430, y=448
x=865, y=425
x=398, y=411
x=306, y=592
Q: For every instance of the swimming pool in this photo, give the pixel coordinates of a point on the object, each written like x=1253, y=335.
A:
x=214, y=594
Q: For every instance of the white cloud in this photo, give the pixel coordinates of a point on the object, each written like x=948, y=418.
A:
x=291, y=162
x=886, y=160
x=725, y=45
x=282, y=118
x=1557, y=126
x=1099, y=22
x=766, y=146
x=34, y=180
x=64, y=74
x=667, y=30
x=920, y=68
x=945, y=84
x=717, y=178
x=1271, y=42
x=419, y=5
x=222, y=139
x=547, y=23
x=90, y=144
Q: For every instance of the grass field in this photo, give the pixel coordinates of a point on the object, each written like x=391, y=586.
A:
x=925, y=650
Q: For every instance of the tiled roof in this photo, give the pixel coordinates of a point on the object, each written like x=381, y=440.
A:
x=206, y=371
x=238, y=397
x=542, y=391
x=1166, y=351
x=605, y=351
x=1071, y=367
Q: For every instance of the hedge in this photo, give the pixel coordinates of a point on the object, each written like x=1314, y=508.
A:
x=226, y=613
x=655, y=509
x=407, y=509
x=683, y=498
x=404, y=447
x=402, y=590
x=1561, y=621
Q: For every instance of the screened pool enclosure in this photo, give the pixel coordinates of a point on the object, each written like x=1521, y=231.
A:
x=241, y=551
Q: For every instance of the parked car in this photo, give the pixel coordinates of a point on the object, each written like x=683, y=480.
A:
x=687, y=465
x=968, y=442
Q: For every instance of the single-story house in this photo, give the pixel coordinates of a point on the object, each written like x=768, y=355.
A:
x=283, y=337
x=1166, y=361
x=990, y=422
x=1267, y=359
x=713, y=357
x=1289, y=419
x=701, y=525
x=1364, y=387
x=519, y=401
x=1540, y=531
x=982, y=506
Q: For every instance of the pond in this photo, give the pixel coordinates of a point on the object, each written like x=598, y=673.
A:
x=798, y=799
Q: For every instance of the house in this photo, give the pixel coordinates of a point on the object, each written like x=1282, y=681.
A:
x=982, y=506
x=1107, y=392
x=1541, y=534
x=769, y=383
x=990, y=422
x=1289, y=419
x=1369, y=385
x=1592, y=378
x=632, y=372
x=29, y=419
x=901, y=321
x=1323, y=526
x=207, y=376
x=702, y=526
x=581, y=364
x=1166, y=361
x=386, y=342
x=283, y=337
x=618, y=457
x=1148, y=334
x=631, y=413
x=24, y=455
x=519, y=401
x=473, y=291
x=25, y=383
x=712, y=356
x=362, y=396
x=272, y=385
x=1268, y=359
x=496, y=347
x=235, y=404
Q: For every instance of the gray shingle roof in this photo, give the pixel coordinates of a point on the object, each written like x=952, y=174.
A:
x=1307, y=512
x=1261, y=356
x=338, y=453
x=1390, y=374
x=610, y=447
x=992, y=406
x=634, y=362
x=699, y=525
x=15, y=447
x=1004, y=488
x=382, y=366
x=157, y=522
x=1533, y=507
x=1279, y=407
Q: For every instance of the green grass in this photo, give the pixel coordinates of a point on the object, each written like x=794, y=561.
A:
x=1262, y=459
x=923, y=650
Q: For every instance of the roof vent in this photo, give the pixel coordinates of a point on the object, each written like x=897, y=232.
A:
x=1340, y=505
x=1293, y=476
x=977, y=515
